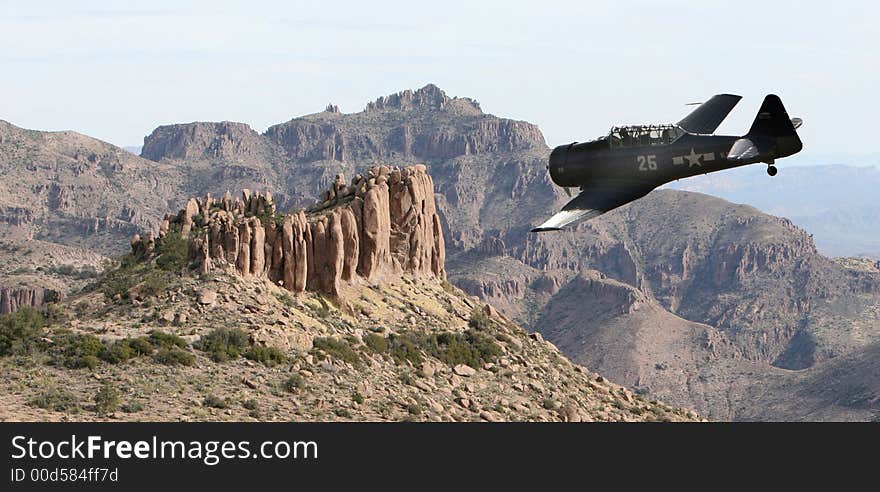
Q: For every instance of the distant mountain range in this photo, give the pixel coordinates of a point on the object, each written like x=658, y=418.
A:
x=680, y=296
x=837, y=204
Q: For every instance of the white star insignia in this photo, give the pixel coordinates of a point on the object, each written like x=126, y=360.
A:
x=693, y=158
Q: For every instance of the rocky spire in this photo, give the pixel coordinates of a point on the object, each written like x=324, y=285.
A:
x=384, y=223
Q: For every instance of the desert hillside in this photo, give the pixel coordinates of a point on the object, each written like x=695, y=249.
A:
x=234, y=311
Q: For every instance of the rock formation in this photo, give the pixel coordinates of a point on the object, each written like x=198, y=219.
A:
x=201, y=140
x=15, y=298
x=384, y=222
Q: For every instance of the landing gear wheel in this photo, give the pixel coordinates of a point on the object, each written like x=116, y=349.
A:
x=771, y=170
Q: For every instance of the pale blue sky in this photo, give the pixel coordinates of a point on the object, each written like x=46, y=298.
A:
x=574, y=68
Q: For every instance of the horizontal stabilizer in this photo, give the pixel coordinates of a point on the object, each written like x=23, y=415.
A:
x=706, y=118
x=593, y=201
x=743, y=150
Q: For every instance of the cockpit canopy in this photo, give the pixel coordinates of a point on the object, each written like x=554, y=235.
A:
x=639, y=135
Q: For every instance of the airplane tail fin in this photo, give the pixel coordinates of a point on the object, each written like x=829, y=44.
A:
x=773, y=122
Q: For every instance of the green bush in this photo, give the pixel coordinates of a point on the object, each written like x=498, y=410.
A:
x=132, y=407
x=215, y=402
x=77, y=350
x=224, y=344
x=293, y=383
x=471, y=348
x=106, y=400
x=172, y=251
x=87, y=361
x=118, y=282
x=251, y=404
x=269, y=356
x=479, y=320
x=286, y=300
x=166, y=340
x=56, y=399
x=20, y=331
x=117, y=352
x=141, y=345
x=376, y=343
x=174, y=356
x=448, y=287
x=406, y=347
x=338, y=349
x=154, y=284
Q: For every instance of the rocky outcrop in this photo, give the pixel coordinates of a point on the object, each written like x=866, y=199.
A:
x=14, y=298
x=200, y=140
x=383, y=223
x=428, y=97
x=460, y=128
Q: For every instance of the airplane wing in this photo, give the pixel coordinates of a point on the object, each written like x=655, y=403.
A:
x=594, y=200
x=706, y=118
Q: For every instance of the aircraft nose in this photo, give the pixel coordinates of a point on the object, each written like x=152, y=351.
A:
x=556, y=163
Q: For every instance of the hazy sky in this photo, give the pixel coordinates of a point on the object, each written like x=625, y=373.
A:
x=575, y=68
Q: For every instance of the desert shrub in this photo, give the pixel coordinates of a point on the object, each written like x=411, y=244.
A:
x=56, y=399
x=106, y=400
x=471, y=348
x=20, y=331
x=250, y=404
x=376, y=343
x=174, y=356
x=87, y=361
x=55, y=314
x=224, y=344
x=79, y=273
x=140, y=345
x=286, y=300
x=117, y=352
x=117, y=283
x=338, y=349
x=293, y=383
x=129, y=348
x=215, y=402
x=413, y=409
x=269, y=356
x=479, y=319
x=323, y=310
x=132, y=407
x=172, y=251
x=406, y=347
x=154, y=284
x=162, y=339
x=76, y=350
x=358, y=398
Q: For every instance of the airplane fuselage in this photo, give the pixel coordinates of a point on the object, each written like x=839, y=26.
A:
x=631, y=161
x=573, y=165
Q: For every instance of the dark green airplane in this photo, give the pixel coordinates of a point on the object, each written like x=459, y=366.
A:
x=631, y=161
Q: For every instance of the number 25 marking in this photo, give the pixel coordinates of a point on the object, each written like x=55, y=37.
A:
x=647, y=162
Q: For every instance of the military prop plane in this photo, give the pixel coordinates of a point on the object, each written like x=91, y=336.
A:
x=630, y=161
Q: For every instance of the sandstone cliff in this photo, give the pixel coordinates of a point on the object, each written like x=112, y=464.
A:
x=383, y=223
